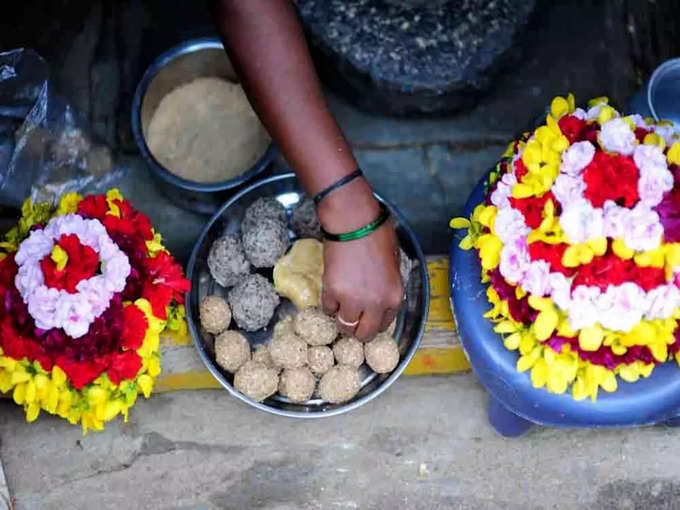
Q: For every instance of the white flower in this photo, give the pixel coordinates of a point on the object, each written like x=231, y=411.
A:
x=581, y=221
x=583, y=312
x=638, y=120
x=568, y=189
x=535, y=280
x=653, y=183
x=560, y=290
x=52, y=308
x=580, y=113
x=662, y=301
x=615, y=219
x=668, y=133
x=594, y=111
x=576, y=158
x=514, y=260
x=621, y=307
x=647, y=156
x=616, y=136
x=509, y=225
x=643, y=230
x=503, y=191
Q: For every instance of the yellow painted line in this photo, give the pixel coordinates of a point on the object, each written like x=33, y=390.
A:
x=438, y=361
x=440, y=316
x=193, y=380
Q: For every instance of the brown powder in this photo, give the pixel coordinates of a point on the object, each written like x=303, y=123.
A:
x=206, y=131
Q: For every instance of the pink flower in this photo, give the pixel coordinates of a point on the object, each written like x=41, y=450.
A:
x=503, y=191
x=581, y=221
x=576, y=158
x=514, y=260
x=568, y=189
x=616, y=136
x=510, y=225
x=535, y=280
x=643, y=230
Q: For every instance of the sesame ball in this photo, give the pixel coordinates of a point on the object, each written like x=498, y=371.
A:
x=253, y=302
x=288, y=351
x=297, y=384
x=340, y=384
x=315, y=327
x=382, y=354
x=349, y=351
x=304, y=221
x=265, y=242
x=227, y=261
x=320, y=359
x=231, y=350
x=215, y=314
x=263, y=208
x=256, y=380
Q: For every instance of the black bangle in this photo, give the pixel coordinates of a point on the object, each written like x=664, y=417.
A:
x=383, y=216
x=339, y=184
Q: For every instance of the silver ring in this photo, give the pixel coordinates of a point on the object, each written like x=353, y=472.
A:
x=348, y=324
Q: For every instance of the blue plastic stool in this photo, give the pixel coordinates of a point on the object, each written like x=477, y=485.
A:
x=515, y=404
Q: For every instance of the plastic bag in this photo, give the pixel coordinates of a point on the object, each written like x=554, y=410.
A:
x=46, y=149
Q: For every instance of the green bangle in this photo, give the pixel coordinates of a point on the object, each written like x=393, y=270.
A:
x=383, y=216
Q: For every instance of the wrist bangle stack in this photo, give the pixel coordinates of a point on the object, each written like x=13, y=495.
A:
x=383, y=216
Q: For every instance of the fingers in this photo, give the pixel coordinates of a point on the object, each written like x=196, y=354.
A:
x=369, y=325
x=329, y=303
x=388, y=317
x=349, y=317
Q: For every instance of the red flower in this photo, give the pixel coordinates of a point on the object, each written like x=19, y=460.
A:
x=611, y=178
x=160, y=297
x=609, y=269
x=572, y=127
x=82, y=264
x=124, y=365
x=551, y=253
x=532, y=208
x=79, y=373
x=93, y=206
x=640, y=134
x=520, y=169
x=134, y=327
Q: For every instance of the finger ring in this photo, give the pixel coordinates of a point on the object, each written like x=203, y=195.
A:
x=348, y=324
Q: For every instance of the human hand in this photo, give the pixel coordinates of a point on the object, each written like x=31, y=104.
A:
x=362, y=285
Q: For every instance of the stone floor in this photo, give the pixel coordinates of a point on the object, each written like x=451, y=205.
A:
x=424, y=444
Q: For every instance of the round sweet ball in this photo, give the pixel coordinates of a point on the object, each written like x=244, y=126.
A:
x=262, y=355
x=382, y=354
x=320, y=359
x=227, y=261
x=263, y=208
x=256, y=380
x=297, y=384
x=315, y=327
x=340, y=384
x=232, y=350
x=284, y=327
x=265, y=242
x=304, y=221
x=253, y=302
x=288, y=351
x=215, y=314
x=349, y=351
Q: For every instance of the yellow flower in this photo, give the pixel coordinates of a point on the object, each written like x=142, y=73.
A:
x=155, y=246
x=547, y=319
x=598, y=100
x=606, y=114
x=59, y=257
x=673, y=154
x=590, y=339
x=458, y=223
x=655, y=139
x=621, y=250
x=68, y=204
x=489, y=251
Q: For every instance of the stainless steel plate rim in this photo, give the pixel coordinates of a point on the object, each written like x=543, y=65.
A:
x=210, y=364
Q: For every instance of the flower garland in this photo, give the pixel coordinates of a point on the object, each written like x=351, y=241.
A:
x=579, y=240
x=86, y=289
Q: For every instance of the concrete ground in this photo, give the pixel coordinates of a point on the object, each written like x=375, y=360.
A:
x=424, y=444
